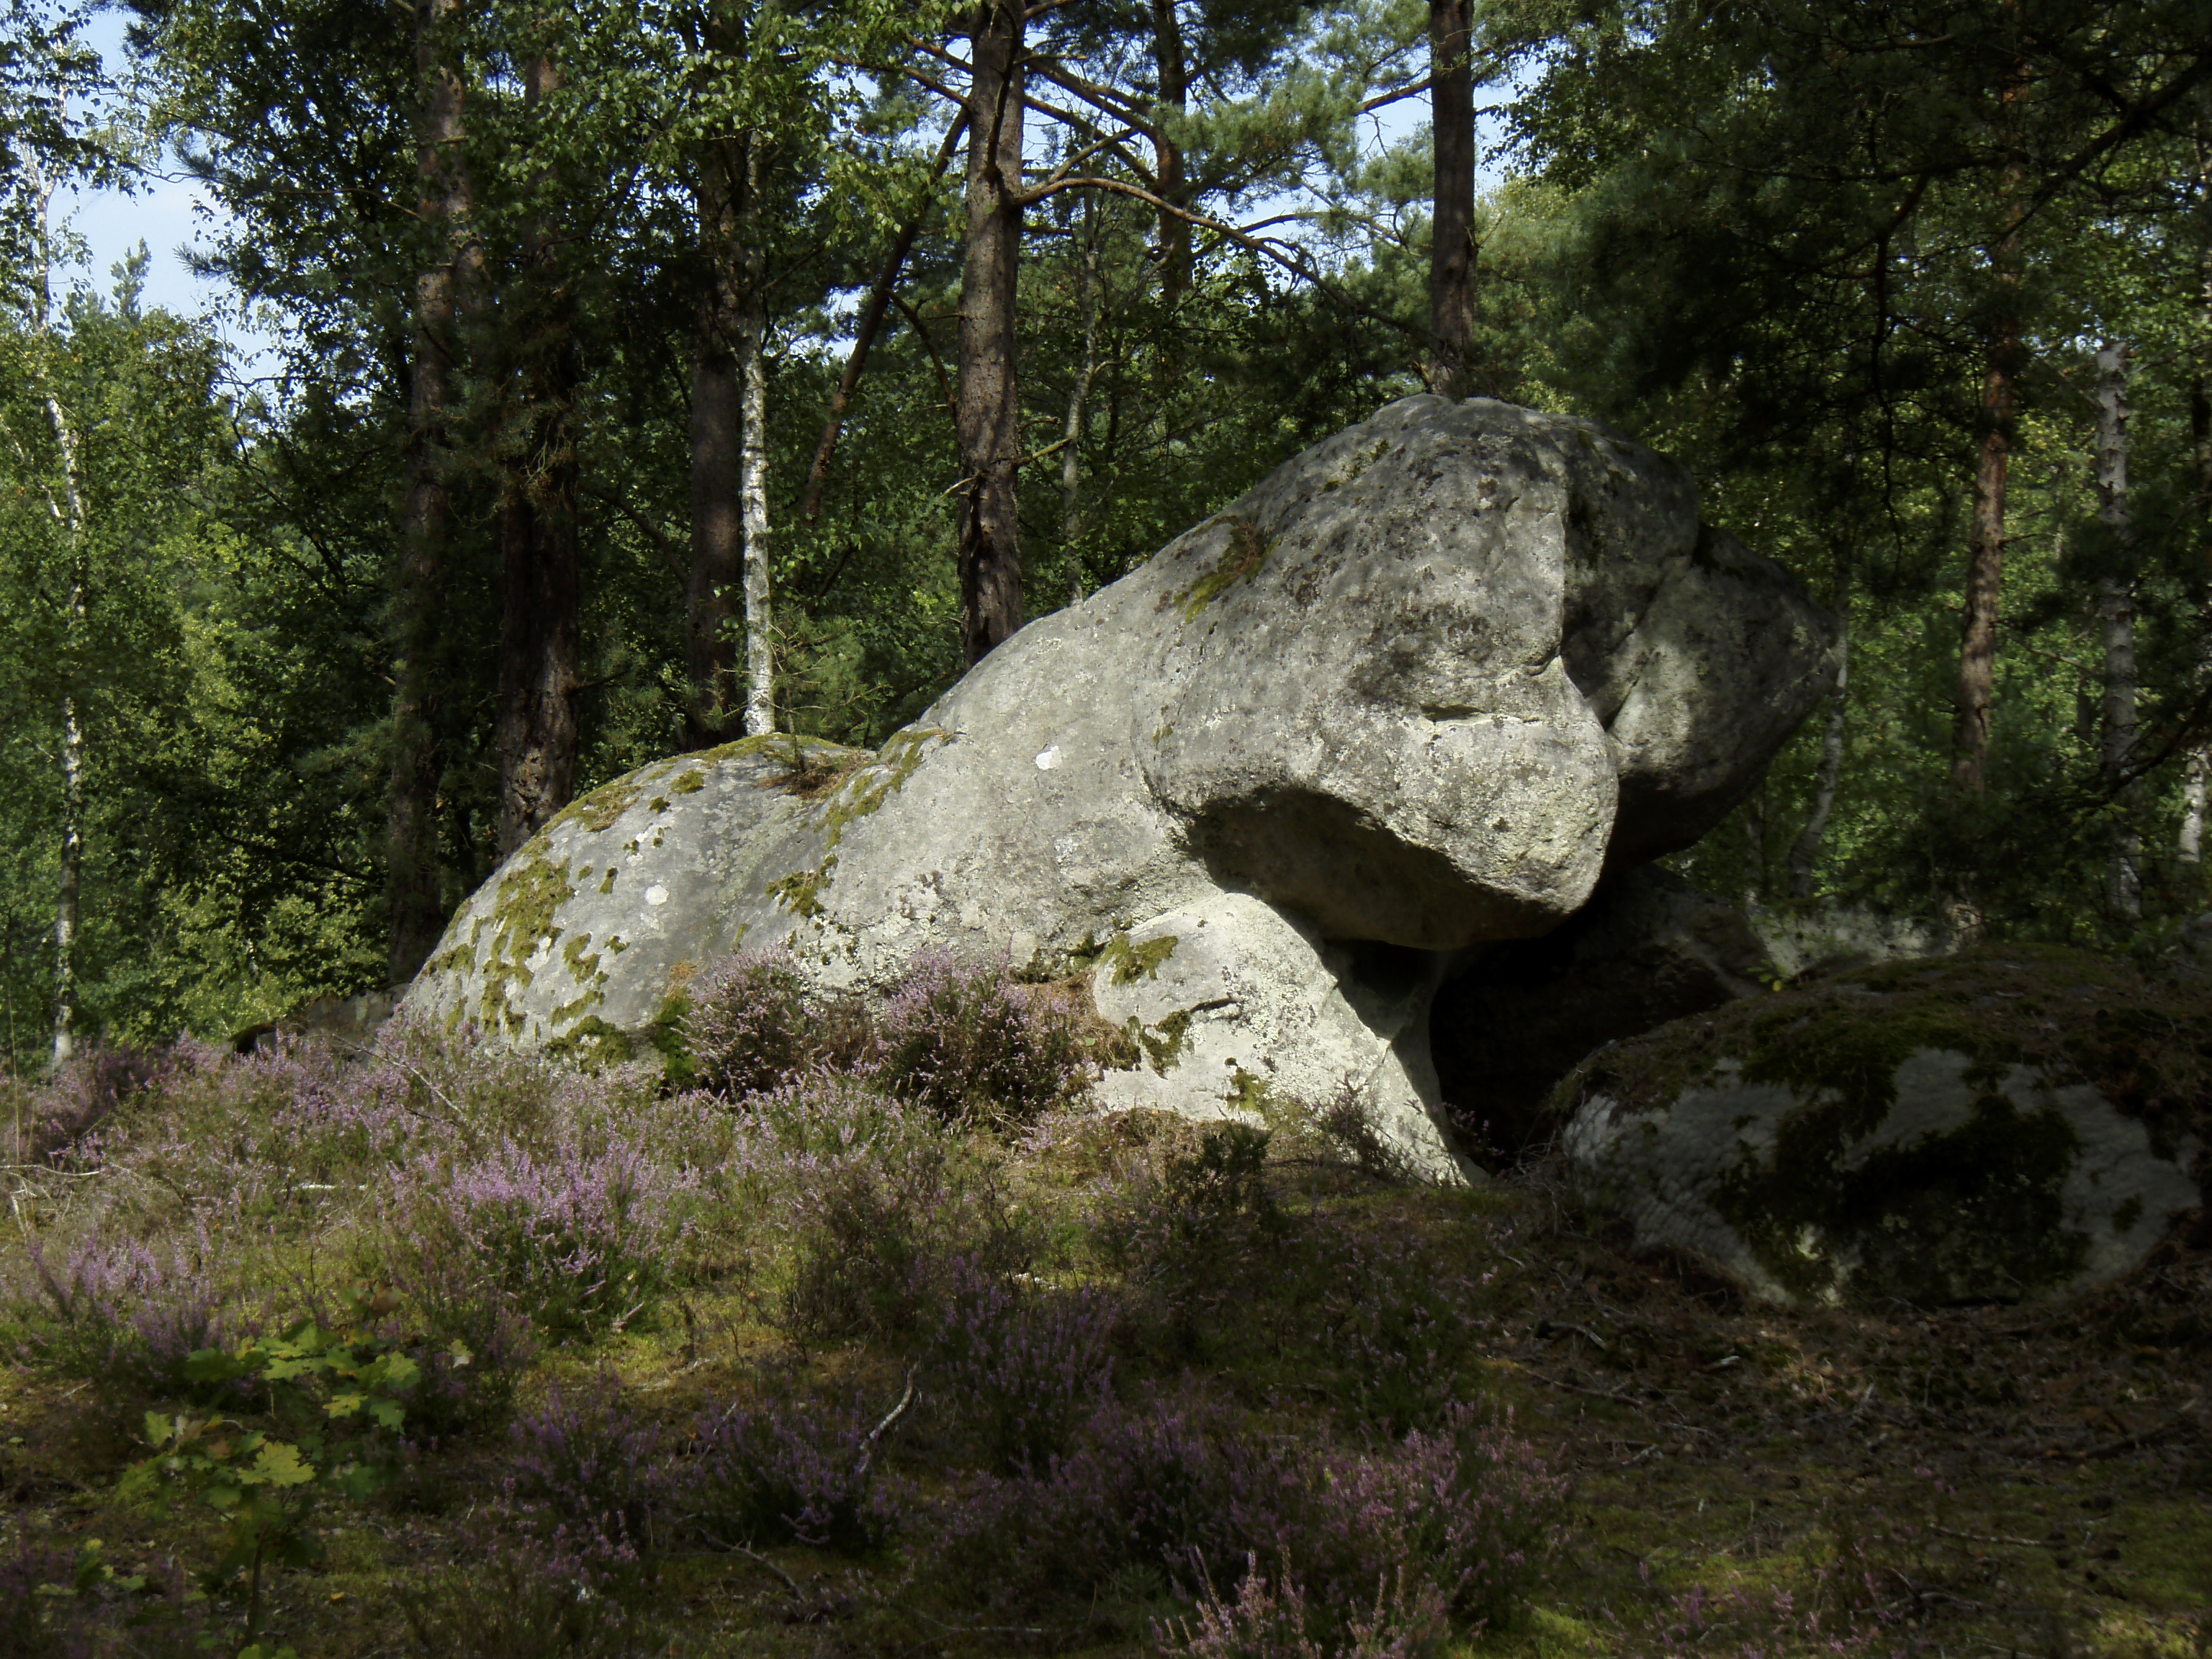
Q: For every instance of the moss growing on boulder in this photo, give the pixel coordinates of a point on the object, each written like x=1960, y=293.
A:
x=2001, y=1125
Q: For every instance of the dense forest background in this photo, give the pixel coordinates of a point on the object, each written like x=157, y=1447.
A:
x=652, y=373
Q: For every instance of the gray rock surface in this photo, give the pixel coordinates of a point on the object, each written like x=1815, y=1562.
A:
x=1412, y=693
x=2009, y=1122
x=1973, y=1185
x=1805, y=941
x=1646, y=949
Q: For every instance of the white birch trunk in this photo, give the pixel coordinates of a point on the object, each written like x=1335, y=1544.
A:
x=1078, y=401
x=2190, y=845
x=70, y=517
x=752, y=467
x=2116, y=615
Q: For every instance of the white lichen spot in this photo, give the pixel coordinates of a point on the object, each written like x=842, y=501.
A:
x=656, y=894
x=1049, y=759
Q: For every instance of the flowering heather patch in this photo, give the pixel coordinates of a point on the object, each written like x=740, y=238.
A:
x=1443, y=1529
x=588, y=1459
x=970, y=1042
x=121, y=1313
x=574, y=1237
x=871, y=1200
x=1025, y=1366
x=802, y=1474
x=1269, y=1617
x=36, y=1620
x=56, y=1113
x=1171, y=1486
x=1467, y=1512
x=750, y=1026
x=529, y=1596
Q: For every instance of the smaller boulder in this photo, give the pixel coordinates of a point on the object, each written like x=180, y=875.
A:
x=2007, y=1124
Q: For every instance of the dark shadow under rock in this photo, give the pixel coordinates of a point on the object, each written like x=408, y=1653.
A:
x=1646, y=949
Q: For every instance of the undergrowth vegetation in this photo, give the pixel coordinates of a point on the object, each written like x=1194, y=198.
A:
x=878, y=1339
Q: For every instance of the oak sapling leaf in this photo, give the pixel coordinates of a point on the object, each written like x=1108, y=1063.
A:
x=346, y=1391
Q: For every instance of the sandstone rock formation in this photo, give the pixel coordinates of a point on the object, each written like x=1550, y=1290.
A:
x=1412, y=693
x=2005, y=1124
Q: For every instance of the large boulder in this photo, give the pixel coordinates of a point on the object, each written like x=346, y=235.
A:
x=1411, y=694
x=2005, y=1124
x=1646, y=949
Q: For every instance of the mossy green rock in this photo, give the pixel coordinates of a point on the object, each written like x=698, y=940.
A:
x=583, y=939
x=2007, y=1124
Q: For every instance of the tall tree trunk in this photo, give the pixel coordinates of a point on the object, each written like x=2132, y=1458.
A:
x=2116, y=614
x=990, y=415
x=414, y=892
x=1173, y=79
x=541, y=637
x=1805, y=852
x=2198, y=768
x=1452, y=245
x=2188, y=845
x=69, y=514
x=72, y=871
x=753, y=460
x=1978, y=643
x=1079, y=403
x=713, y=593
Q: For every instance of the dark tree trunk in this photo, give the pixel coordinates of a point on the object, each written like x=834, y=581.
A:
x=1978, y=644
x=2116, y=614
x=1985, y=552
x=990, y=425
x=2196, y=772
x=1079, y=403
x=1168, y=65
x=541, y=634
x=1452, y=245
x=414, y=890
x=714, y=592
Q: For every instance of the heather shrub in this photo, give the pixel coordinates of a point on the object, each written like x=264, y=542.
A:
x=1171, y=1486
x=1441, y=1526
x=800, y=1474
x=1269, y=1617
x=38, y=1618
x=574, y=1237
x=530, y=1598
x=1024, y=1367
x=872, y=1201
x=121, y=1313
x=1462, y=1516
x=1202, y=1189
x=971, y=1043
x=1393, y=1329
x=748, y=1026
x=1345, y=1131
x=588, y=1459
x=50, y=1117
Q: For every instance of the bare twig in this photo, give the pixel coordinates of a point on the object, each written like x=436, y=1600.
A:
x=890, y=1417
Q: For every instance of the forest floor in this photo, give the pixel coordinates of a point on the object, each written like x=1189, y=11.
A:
x=1740, y=1478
